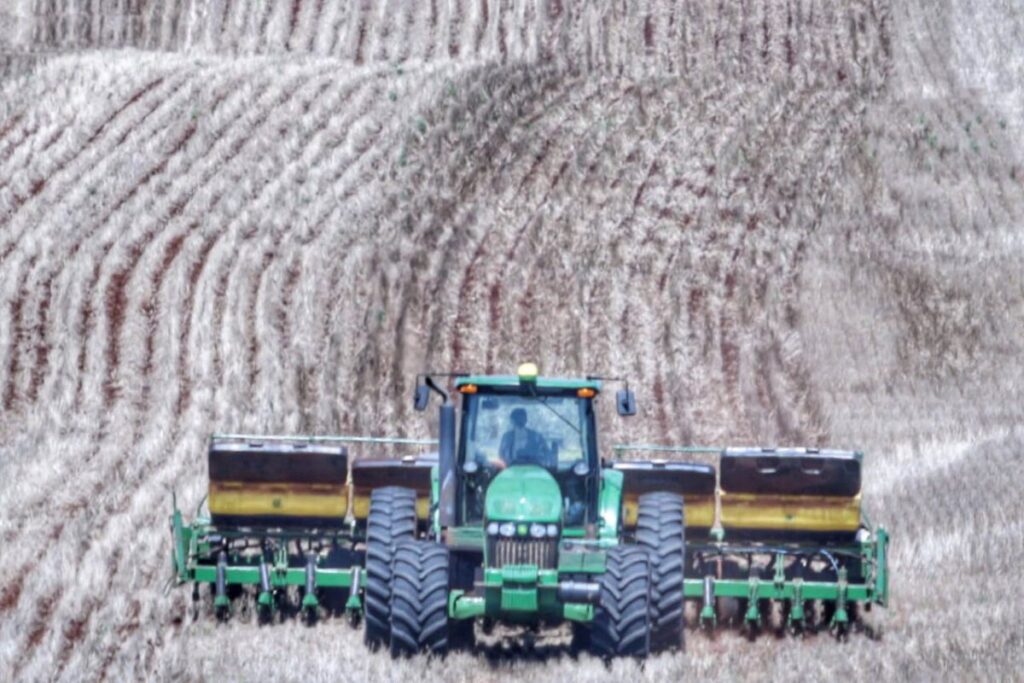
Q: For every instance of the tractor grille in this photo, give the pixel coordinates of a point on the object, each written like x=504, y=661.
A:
x=542, y=552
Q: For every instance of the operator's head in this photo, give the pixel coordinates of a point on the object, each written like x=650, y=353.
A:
x=519, y=417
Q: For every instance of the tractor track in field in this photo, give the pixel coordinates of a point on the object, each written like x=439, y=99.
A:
x=651, y=163
x=489, y=142
x=542, y=159
x=731, y=348
x=482, y=149
x=660, y=392
x=653, y=170
x=809, y=414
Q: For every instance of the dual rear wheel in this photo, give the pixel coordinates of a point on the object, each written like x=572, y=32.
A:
x=641, y=604
x=392, y=520
x=407, y=581
x=419, y=598
x=661, y=530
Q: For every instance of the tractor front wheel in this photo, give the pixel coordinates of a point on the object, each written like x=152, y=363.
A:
x=392, y=519
x=419, y=599
x=622, y=620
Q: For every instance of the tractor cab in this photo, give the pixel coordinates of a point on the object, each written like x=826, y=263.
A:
x=527, y=451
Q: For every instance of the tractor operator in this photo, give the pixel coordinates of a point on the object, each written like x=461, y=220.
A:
x=521, y=445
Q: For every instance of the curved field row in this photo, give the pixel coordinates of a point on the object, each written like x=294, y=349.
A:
x=807, y=39
x=159, y=470
x=89, y=493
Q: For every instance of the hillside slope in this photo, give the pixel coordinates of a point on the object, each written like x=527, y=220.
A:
x=787, y=222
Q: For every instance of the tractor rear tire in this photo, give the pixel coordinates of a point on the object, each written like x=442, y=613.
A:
x=419, y=599
x=661, y=529
x=622, y=620
x=392, y=519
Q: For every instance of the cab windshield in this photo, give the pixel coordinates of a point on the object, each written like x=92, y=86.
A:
x=504, y=430
x=550, y=431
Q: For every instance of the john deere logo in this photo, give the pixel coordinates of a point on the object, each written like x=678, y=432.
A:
x=276, y=503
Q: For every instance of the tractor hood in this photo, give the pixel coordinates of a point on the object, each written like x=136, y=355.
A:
x=524, y=493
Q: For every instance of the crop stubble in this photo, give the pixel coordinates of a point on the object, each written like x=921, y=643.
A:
x=788, y=222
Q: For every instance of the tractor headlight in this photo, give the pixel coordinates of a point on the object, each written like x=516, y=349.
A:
x=538, y=530
x=552, y=530
x=492, y=529
x=508, y=529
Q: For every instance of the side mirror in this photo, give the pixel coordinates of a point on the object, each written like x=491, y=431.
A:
x=625, y=402
x=421, y=398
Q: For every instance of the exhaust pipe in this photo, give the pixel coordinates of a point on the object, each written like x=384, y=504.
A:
x=446, y=464
x=445, y=446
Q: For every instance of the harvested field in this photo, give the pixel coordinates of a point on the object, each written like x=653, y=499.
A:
x=787, y=221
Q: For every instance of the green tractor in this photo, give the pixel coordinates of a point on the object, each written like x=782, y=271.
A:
x=526, y=528
x=516, y=519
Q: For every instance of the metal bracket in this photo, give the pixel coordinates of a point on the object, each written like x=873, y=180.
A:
x=796, y=609
x=841, y=618
x=708, y=618
x=780, y=571
x=753, y=615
